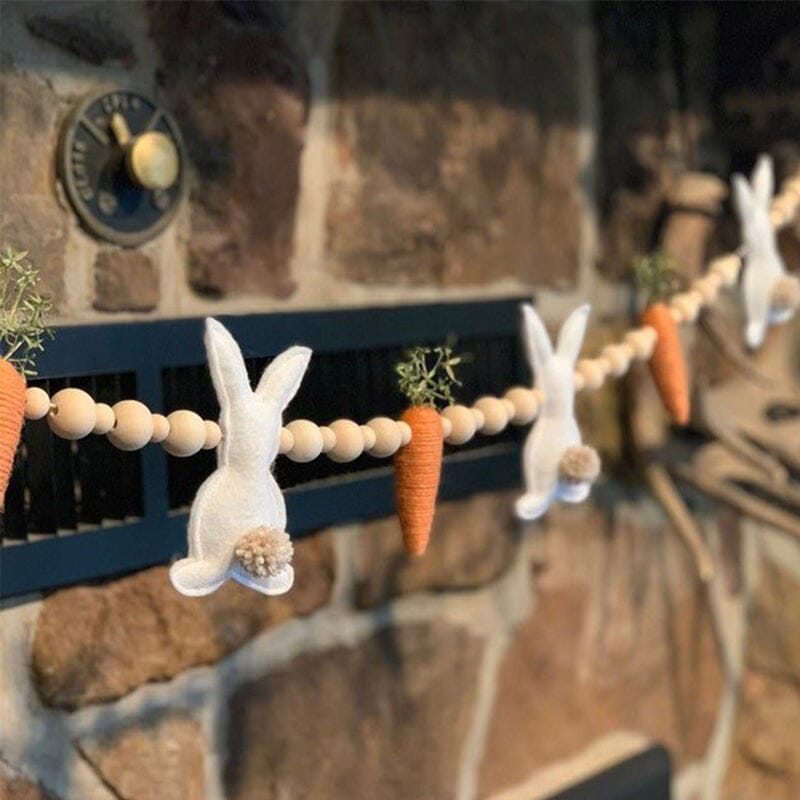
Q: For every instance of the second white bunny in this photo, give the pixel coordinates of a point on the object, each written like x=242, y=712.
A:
x=238, y=518
x=770, y=294
x=556, y=463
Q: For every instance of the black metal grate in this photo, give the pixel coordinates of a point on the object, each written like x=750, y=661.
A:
x=58, y=487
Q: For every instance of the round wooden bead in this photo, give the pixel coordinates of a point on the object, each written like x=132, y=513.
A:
x=642, y=340
x=593, y=373
x=187, y=433
x=480, y=418
x=676, y=314
x=368, y=436
x=510, y=408
x=73, y=414
x=686, y=305
x=328, y=438
x=104, y=419
x=494, y=412
x=307, y=441
x=286, y=441
x=133, y=425
x=37, y=403
x=160, y=428
x=618, y=357
x=349, y=441
x=447, y=426
x=405, y=432
x=213, y=434
x=708, y=287
x=727, y=267
x=525, y=403
x=462, y=424
x=388, y=437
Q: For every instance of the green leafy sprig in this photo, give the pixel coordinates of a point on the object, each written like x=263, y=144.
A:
x=22, y=312
x=427, y=376
x=657, y=275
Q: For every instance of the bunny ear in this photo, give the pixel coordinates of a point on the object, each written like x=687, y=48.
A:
x=742, y=196
x=763, y=181
x=570, y=337
x=536, y=340
x=281, y=379
x=225, y=363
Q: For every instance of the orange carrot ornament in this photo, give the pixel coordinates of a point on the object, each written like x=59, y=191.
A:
x=656, y=275
x=22, y=332
x=425, y=378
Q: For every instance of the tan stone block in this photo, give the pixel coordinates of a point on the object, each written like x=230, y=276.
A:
x=619, y=638
x=125, y=280
x=454, y=167
x=97, y=643
x=386, y=718
x=156, y=758
x=473, y=542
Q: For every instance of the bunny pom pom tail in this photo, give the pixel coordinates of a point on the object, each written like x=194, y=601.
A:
x=12, y=414
x=418, y=468
x=785, y=293
x=264, y=551
x=578, y=464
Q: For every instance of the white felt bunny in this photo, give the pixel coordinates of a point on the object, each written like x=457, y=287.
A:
x=556, y=464
x=770, y=294
x=238, y=518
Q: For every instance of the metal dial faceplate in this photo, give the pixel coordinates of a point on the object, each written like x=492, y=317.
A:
x=113, y=149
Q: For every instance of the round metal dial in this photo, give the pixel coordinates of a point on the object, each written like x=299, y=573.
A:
x=123, y=165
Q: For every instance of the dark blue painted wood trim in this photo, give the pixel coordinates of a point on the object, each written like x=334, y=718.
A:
x=109, y=551
x=645, y=776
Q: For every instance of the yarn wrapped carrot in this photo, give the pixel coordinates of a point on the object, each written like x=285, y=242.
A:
x=656, y=275
x=22, y=332
x=425, y=378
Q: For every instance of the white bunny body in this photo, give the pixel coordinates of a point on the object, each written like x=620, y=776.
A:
x=241, y=494
x=555, y=429
x=763, y=266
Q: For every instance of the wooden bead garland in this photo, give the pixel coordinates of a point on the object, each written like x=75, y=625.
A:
x=328, y=438
x=213, y=434
x=462, y=424
x=349, y=441
x=642, y=340
x=525, y=404
x=495, y=414
x=104, y=419
x=618, y=357
x=368, y=435
x=307, y=441
x=72, y=415
x=133, y=426
x=286, y=441
x=593, y=373
x=160, y=428
x=405, y=432
x=37, y=403
x=187, y=433
x=387, y=437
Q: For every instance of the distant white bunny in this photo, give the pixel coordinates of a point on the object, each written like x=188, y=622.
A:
x=556, y=464
x=238, y=518
x=770, y=294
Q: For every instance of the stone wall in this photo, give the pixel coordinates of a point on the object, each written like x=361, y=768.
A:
x=358, y=154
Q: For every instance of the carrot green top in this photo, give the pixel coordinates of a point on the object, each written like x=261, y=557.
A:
x=22, y=312
x=427, y=377
x=656, y=274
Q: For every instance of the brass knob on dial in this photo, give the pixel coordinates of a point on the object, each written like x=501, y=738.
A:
x=152, y=158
